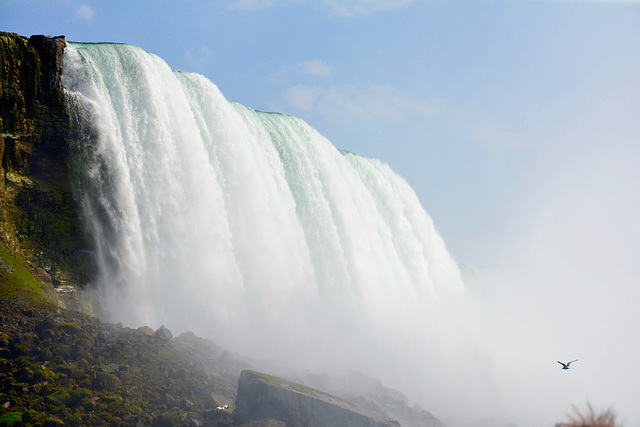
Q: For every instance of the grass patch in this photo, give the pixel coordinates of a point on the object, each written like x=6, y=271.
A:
x=11, y=419
x=17, y=281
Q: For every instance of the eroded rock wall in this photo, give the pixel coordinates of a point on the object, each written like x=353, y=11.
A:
x=39, y=219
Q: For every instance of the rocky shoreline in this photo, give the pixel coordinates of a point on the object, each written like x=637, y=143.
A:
x=59, y=366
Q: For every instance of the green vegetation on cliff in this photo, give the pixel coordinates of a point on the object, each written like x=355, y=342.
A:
x=19, y=283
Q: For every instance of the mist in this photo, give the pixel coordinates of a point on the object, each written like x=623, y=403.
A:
x=567, y=289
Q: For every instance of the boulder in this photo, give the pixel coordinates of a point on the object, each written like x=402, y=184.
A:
x=163, y=333
x=265, y=397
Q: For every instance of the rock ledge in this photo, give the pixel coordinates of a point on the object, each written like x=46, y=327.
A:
x=264, y=397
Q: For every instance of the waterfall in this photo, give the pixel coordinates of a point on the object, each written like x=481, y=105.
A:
x=247, y=227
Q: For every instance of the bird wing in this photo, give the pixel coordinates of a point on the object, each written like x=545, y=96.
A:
x=562, y=364
x=572, y=362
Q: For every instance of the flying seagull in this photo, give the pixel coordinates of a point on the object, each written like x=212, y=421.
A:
x=566, y=365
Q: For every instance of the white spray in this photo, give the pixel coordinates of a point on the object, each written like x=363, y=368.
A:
x=246, y=227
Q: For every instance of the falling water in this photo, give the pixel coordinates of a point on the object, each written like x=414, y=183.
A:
x=247, y=227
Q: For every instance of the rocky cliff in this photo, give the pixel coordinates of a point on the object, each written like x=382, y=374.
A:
x=38, y=214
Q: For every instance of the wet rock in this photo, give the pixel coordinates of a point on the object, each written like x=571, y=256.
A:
x=32, y=417
x=180, y=374
x=110, y=368
x=265, y=423
x=45, y=334
x=17, y=349
x=71, y=328
x=164, y=333
x=262, y=397
x=23, y=374
x=106, y=381
x=146, y=330
x=5, y=266
x=167, y=399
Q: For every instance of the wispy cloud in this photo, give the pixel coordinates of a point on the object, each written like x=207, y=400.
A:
x=375, y=101
x=339, y=8
x=253, y=4
x=354, y=8
x=198, y=57
x=313, y=67
x=85, y=12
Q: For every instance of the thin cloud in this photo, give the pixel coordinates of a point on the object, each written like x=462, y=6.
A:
x=375, y=101
x=199, y=57
x=316, y=67
x=85, y=12
x=313, y=67
x=301, y=97
x=253, y=4
x=339, y=8
x=354, y=8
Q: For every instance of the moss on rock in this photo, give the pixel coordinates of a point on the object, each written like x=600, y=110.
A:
x=11, y=419
x=71, y=367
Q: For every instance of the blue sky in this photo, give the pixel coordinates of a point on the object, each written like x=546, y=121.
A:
x=478, y=104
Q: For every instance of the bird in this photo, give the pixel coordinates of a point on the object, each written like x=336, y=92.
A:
x=566, y=365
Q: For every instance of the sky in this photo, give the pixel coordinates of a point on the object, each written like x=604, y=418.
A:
x=516, y=123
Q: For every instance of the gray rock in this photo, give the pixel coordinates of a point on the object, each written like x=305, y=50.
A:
x=164, y=333
x=110, y=368
x=5, y=266
x=264, y=397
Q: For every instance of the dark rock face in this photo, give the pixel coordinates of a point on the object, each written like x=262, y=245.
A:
x=264, y=397
x=37, y=209
x=32, y=109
